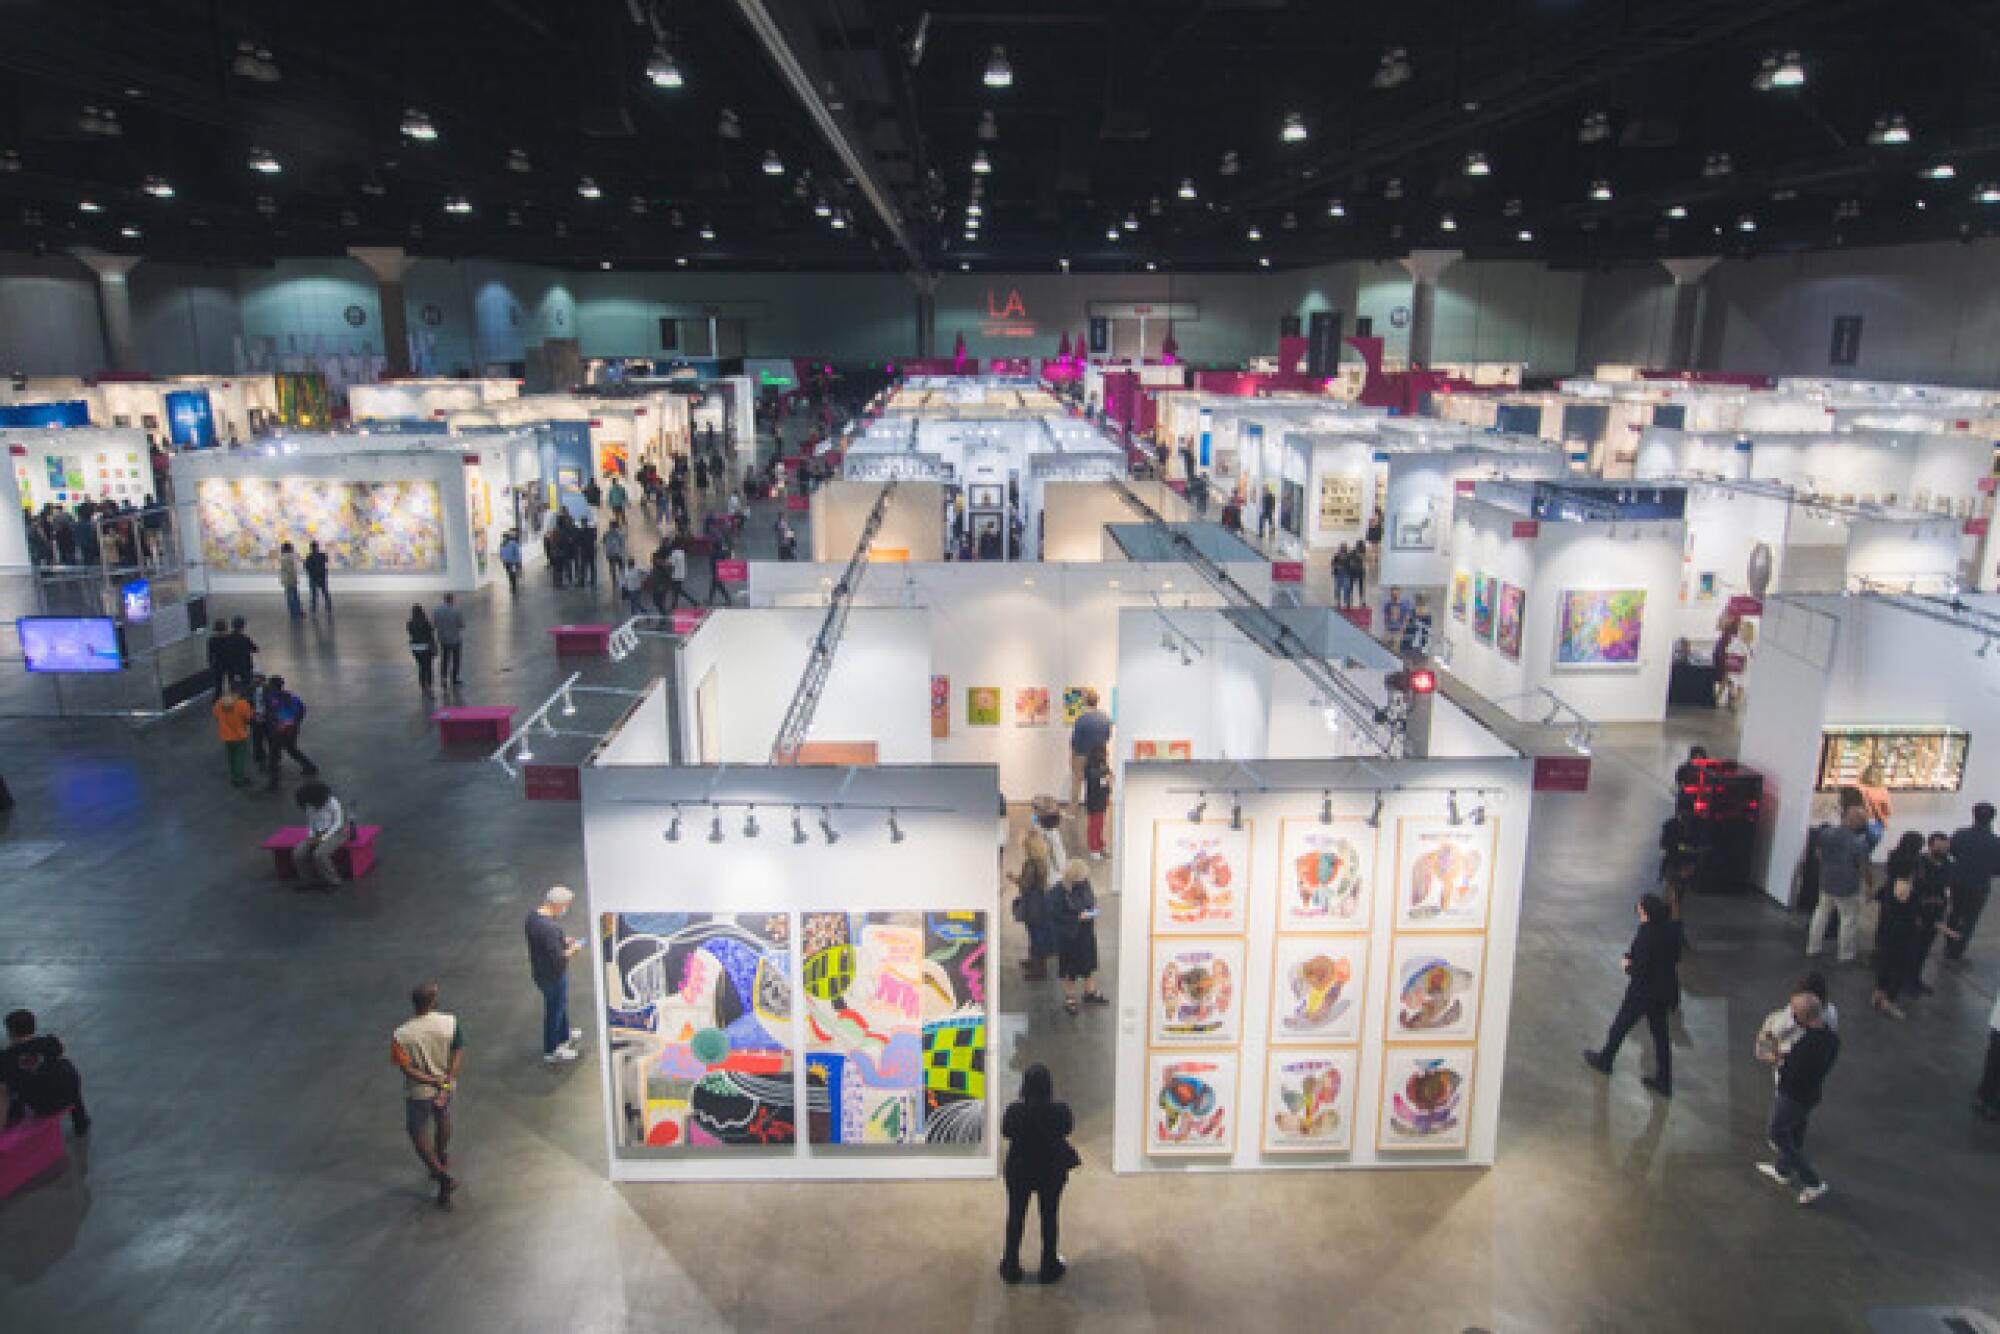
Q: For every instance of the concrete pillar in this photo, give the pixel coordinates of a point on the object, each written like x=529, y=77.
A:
x=114, y=303
x=926, y=285
x=389, y=264
x=1424, y=267
x=1687, y=274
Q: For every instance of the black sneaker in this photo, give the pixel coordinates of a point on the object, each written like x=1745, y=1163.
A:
x=446, y=1185
x=1053, y=1271
x=1010, y=1273
x=1663, y=1090
x=1596, y=1061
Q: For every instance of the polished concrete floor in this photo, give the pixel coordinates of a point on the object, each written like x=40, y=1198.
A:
x=249, y=1170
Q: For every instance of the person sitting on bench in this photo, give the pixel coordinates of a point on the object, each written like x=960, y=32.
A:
x=327, y=831
x=39, y=1078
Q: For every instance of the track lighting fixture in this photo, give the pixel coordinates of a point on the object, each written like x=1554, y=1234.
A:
x=1941, y=171
x=1779, y=72
x=525, y=751
x=715, y=825
x=673, y=830
x=588, y=189
x=1600, y=190
x=417, y=127
x=1187, y=190
x=1255, y=233
x=826, y=828
x=1199, y=809
x=1889, y=132
x=895, y=830
x=1294, y=131
x=1131, y=222
x=981, y=164
x=707, y=233
x=1447, y=223
x=1988, y=193
x=264, y=162
x=1451, y=814
x=1524, y=235
x=1677, y=212
x=1596, y=128
x=1718, y=164
x=773, y=164
x=1395, y=70
x=1153, y=207
x=158, y=188
x=1393, y=188
x=1477, y=816
x=1746, y=223
x=1579, y=739
x=1375, y=816
x=989, y=127
x=89, y=206
x=1335, y=209
x=1236, y=814
x=750, y=829
x=798, y=826
x=822, y=209
x=661, y=71
x=1230, y=164
x=999, y=74
x=1477, y=165
x=1326, y=808
x=459, y=204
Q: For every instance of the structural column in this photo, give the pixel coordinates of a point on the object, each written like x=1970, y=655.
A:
x=389, y=264
x=926, y=285
x=1424, y=267
x=114, y=303
x=1687, y=275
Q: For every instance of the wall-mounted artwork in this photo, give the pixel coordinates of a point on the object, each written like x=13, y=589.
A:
x=1426, y=1099
x=1201, y=878
x=698, y=1007
x=1444, y=875
x=1600, y=627
x=1461, y=594
x=896, y=1027
x=1191, y=1104
x=1339, y=500
x=390, y=527
x=1073, y=704
x=1197, y=995
x=940, y=706
x=1309, y=1101
x=982, y=706
x=1179, y=752
x=1414, y=530
x=1485, y=592
x=1435, y=983
x=1507, y=621
x=1326, y=875
x=1031, y=706
x=1318, y=989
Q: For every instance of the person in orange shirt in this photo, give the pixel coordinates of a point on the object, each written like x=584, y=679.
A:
x=232, y=724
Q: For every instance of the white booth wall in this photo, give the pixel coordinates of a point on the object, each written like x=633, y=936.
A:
x=913, y=522
x=422, y=400
x=1074, y=515
x=1425, y=483
x=1666, y=452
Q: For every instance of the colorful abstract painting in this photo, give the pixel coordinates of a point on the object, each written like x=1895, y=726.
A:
x=1326, y=875
x=1031, y=706
x=1444, y=876
x=1197, y=992
x=1461, y=594
x=1485, y=591
x=940, y=706
x=1074, y=706
x=1191, y=1102
x=982, y=706
x=896, y=1027
x=391, y=527
x=699, y=1011
x=1600, y=627
x=1309, y=1101
x=1318, y=984
x=1178, y=752
x=1507, y=629
x=1201, y=878
x=1426, y=1099
x=1436, y=982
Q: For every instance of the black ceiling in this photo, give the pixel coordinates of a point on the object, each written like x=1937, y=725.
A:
x=1114, y=103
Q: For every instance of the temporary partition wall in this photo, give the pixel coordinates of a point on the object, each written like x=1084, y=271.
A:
x=912, y=528
x=424, y=399
x=1074, y=515
x=798, y=984
x=1423, y=486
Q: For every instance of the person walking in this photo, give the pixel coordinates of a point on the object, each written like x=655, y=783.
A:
x=450, y=623
x=1357, y=576
x=1039, y=1160
x=614, y=551
x=1076, y=921
x=510, y=559
x=234, y=655
x=316, y=585
x=38, y=1077
x=1843, y=859
x=429, y=1048
x=1096, y=802
x=1089, y=735
x=1802, y=1073
x=1986, y=1100
x=617, y=498
x=718, y=552
x=232, y=725
x=218, y=655
x=328, y=830
x=1933, y=897
x=288, y=577
x=584, y=556
x=677, y=576
x=1975, y=855
x=1652, y=988
x=1032, y=906
x=549, y=953
x=1338, y=568
x=1897, y=934
x=1267, y=514
x=423, y=644
x=633, y=584
x=284, y=719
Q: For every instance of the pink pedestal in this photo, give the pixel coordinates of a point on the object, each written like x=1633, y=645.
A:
x=582, y=641
x=28, y=1150
x=353, y=860
x=457, y=724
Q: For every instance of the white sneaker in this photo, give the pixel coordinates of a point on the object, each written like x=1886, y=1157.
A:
x=1813, y=1193
x=575, y=1035
x=560, y=1055
x=1771, y=1171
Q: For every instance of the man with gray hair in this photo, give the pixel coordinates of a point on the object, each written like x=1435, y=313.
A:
x=1801, y=1076
x=549, y=953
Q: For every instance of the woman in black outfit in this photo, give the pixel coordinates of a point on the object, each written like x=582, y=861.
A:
x=1898, y=928
x=1652, y=988
x=423, y=644
x=1075, y=906
x=1039, y=1159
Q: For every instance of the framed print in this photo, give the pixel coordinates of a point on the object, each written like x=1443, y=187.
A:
x=940, y=707
x=1434, y=987
x=1326, y=875
x=1201, y=878
x=1191, y=1102
x=982, y=706
x=1600, y=627
x=1426, y=1099
x=985, y=496
x=1073, y=705
x=1461, y=594
x=1485, y=591
x=1309, y=1101
x=1507, y=626
x=1318, y=985
x=1197, y=995
x=1414, y=530
x=1444, y=874
x=1031, y=706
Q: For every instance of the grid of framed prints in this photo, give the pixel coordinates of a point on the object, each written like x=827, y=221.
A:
x=1199, y=890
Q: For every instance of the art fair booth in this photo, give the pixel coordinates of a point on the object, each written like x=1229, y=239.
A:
x=1426, y=467
x=424, y=400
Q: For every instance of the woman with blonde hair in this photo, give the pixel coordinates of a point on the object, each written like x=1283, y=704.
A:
x=1032, y=908
x=1076, y=918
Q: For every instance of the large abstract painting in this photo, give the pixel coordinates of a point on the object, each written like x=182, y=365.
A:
x=393, y=527
x=1197, y=992
x=1507, y=632
x=896, y=1027
x=1600, y=627
x=1309, y=1101
x=1318, y=986
x=1444, y=875
x=1461, y=594
x=699, y=1011
x=1201, y=878
x=1326, y=875
x=1485, y=592
x=1426, y=1099
x=1437, y=981
x=1192, y=1108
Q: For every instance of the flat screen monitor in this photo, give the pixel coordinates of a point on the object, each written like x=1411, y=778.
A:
x=191, y=419
x=70, y=412
x=71, y=643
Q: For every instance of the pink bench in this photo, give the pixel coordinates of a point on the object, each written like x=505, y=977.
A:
x=28, y=1150
x=353, y=860
x=582, y=641
x=492, y=723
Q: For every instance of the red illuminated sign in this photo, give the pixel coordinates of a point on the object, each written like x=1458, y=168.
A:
x=1007, y=317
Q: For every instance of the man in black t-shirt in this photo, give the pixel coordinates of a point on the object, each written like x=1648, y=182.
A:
x=39, y=1078
x=1801, y=1077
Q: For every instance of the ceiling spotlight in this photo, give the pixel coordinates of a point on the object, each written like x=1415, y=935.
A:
x=129, y=232
x=1236, y=813
x=1335, y=209
x=89, y=206
x=672, y=833
x=964, y=266
x=1596, y=128
x=729, y=125
x=826, y=828
x=840, y=222
x=773, y=164
x=10, y=160
x=989, y=128
x=1113, y=234
x=263, y=161
x=715, y=826
x=1393, y=188
x=999, y=74
x=895, y=830
x=1718, y=164
x=1447, y=223
x=1746, y=223
x=707, y=233
x=1779, y=72
x=1579, y=739
x=1230, y=164
x=1942, y=171
x=1065, y=265
x=1524, y=235
x=1295, y=129
x=1326, y=808
x=975, y=210
x=1255, y=233
x=1131, y=222
x=1263, y=261
x=1394, y=71
x=1677, y=212
x=253, y=62
x=1200, y=809
x=981, y=164
x=589, y=189
x=1290, y=222
x=1889, y=132
x=604, y=264
x=1187, y=190
x=158, y=188
x=1476, y=165
x=1153, y=207
x=1600, y=190
x=750, y=829
x=1451, y=808
x=417, y=126
x=1375, y=816
x=1988, y=193
x=680, y=261
x=822, y=209
x=798, y=827
x=661, y=71
x=457, y=204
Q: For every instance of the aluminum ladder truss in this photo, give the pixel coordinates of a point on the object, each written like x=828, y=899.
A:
x=797, y=726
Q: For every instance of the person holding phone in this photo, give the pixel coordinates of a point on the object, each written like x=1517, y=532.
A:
x=549, y=953
x=1076, y=919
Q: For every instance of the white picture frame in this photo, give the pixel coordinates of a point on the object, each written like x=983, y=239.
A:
x=1310, y=1096
x=1326, y=875
x=1201, y=878
x=1444, y=874
x=1319, y=990
x=1425, y=1101
x=1198, y=991
x=1435, y=984
x=1192, y=1103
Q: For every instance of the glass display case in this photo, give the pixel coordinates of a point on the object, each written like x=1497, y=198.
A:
x=1912, y=759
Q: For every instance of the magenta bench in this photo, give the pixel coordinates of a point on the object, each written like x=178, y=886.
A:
x=354, y=860
x=491, y=723
x=28, y=1150
x=582, y=641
